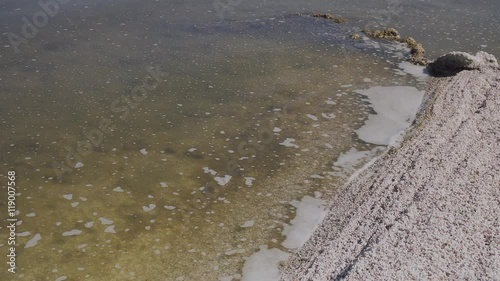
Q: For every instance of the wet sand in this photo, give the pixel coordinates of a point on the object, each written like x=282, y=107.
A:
x=428, y=209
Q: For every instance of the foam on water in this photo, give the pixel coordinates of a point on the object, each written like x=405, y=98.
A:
x=395, y=107
x=33, y=241
x=73, y=232
x=263, y=265
x=289, y=142
x=348, y=162
x=310, y=212
x=249, y=100
x=415, y=70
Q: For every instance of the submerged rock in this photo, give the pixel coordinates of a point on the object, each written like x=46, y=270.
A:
x=454, y=62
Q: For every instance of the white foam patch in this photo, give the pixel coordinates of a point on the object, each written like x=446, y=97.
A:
x=144, y=151
x=263, y=265
x=248, y=224
x=33, y=241
x=105, y=221
x=396, y=108
x=289, y=142
x=72, y=232
x=110, y=229
x=118, y=189
x=328, y=115
x=148, y=208
x=79, y=165
x=309, y=215
x=169, y=207
x=415, y=70
x=68, y=196
x=312, y=117
x=163, y=184
x=209, y=171
x=347, y=162
x=222, y=181
x=330, y=101
x=249, y=181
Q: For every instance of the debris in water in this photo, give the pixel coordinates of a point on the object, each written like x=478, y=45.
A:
x=330, y=17
x=391, y=34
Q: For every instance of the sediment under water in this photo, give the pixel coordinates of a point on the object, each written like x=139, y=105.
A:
x=247, y=119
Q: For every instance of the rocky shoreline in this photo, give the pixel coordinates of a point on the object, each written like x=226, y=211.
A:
x=428, y=209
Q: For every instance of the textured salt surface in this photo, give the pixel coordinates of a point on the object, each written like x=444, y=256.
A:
x=429, y=210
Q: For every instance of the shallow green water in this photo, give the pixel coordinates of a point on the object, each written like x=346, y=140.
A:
x=244, y=118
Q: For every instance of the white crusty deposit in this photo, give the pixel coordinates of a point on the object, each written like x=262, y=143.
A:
x=427, y=210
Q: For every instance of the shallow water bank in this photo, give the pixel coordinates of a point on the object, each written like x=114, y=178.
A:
x=428, y=209
x=293, y=101
x=281, y=98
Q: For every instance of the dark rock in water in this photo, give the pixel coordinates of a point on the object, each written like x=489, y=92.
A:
x=454, y=62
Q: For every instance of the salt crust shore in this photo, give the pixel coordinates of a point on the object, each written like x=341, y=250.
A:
x=427, y=210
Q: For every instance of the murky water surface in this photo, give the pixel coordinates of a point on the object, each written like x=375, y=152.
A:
x=153, y=141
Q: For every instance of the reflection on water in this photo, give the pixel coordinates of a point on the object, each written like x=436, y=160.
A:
x=244, y=119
